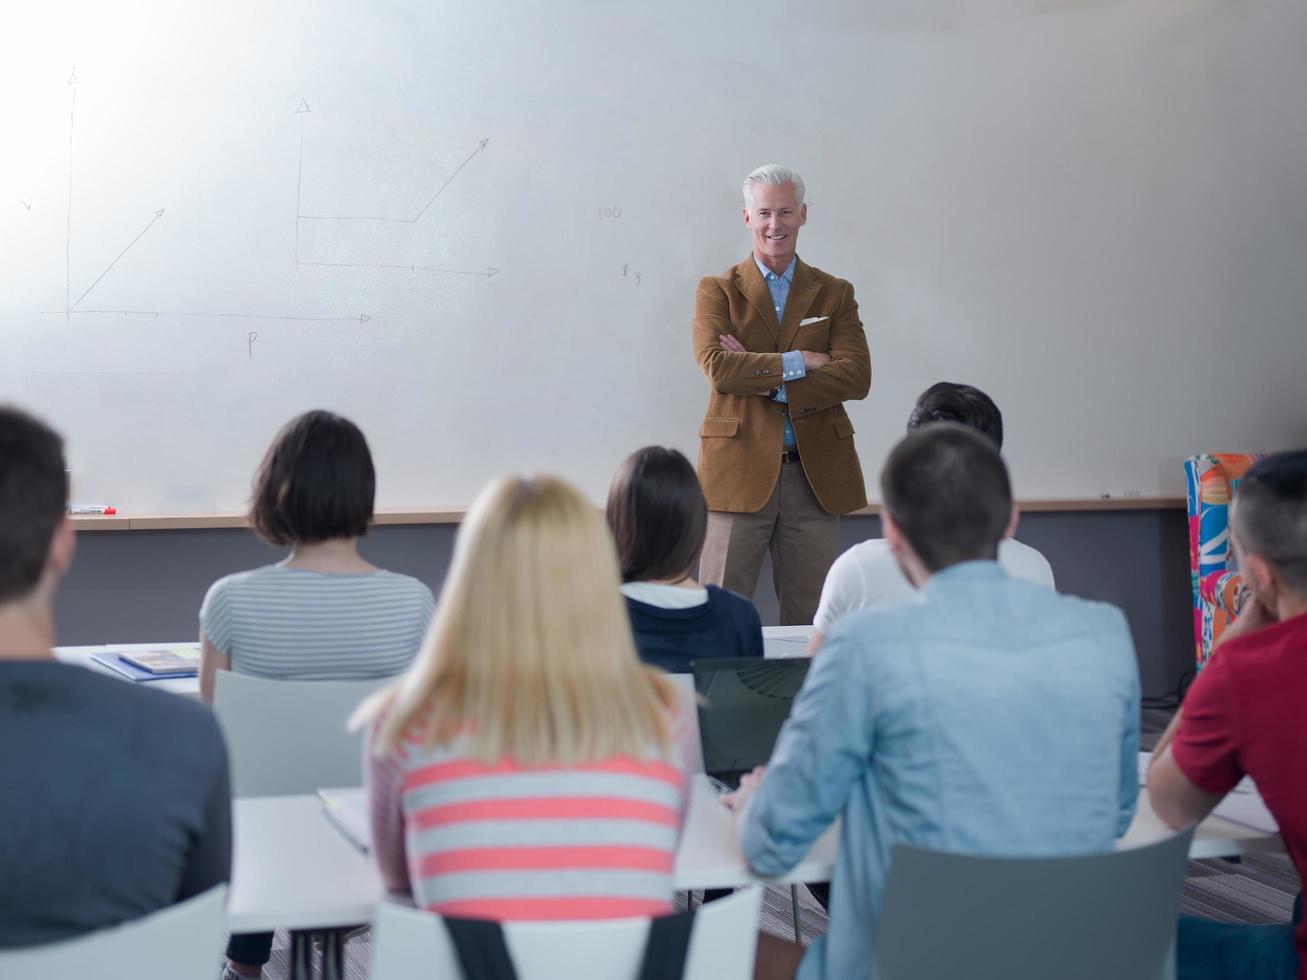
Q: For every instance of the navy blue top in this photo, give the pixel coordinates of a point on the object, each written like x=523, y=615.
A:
x=114, y=803
x=727, y=625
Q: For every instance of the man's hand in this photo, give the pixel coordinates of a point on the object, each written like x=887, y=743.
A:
x=748, y=786
x=813, y=359
x=729, y=343
x=1254, y=616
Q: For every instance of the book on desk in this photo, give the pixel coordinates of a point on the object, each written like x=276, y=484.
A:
x=153, y=664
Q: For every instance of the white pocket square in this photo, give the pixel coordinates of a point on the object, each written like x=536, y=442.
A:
x=812, y=319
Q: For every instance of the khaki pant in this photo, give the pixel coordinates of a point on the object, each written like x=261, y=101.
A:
x=793, y=526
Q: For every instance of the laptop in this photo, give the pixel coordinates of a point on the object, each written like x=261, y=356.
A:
x=743, y=701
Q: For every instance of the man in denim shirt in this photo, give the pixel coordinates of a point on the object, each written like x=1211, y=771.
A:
x=984, y=715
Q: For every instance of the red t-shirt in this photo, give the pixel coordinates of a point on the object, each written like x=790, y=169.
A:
x=1246, y=714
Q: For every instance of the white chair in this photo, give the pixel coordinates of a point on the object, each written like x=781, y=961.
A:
x=182, y=942
x=413, y=945
x=1074, y=918
x=288, y=737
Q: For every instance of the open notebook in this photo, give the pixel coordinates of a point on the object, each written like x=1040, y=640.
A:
x=347, y=809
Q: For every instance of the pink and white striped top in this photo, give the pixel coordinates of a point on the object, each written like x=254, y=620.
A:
x=504, y=842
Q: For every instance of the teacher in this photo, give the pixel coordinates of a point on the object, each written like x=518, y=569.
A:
x=782, y=347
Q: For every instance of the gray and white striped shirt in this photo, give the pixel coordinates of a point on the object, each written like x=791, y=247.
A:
x=290, y=623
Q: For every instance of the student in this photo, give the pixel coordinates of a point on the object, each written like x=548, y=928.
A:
x=526, y=766
x=115, y=800
x=867, y=574
x=658, y=517
x=992, y=716
x=323, y=613
x=1243, y=716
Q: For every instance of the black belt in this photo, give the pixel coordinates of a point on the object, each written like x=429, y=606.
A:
x=789, y=455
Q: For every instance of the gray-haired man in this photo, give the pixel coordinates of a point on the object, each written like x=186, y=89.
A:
x=782, y=347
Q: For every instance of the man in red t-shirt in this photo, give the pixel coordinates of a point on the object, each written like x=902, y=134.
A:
x=1246, y=714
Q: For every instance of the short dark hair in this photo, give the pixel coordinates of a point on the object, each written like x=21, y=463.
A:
x=948, y=401
x=1270, y=514
x=657, y=514
x=316, y=482
x=33, y=499
x=947, y=489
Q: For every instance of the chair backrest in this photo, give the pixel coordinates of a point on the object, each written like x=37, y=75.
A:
x=690, y=715
x=1074, y=918
x=286, y=737
x=182, y=942
x=1210, y=481
x=414, y=945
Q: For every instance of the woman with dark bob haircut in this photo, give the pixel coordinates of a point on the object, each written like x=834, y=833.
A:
x=322, y=613
x=658, y=517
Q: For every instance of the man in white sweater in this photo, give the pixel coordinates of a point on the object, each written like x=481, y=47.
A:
x=868, y=574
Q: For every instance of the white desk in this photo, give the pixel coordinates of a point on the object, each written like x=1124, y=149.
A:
x=785, y=641
x=81, y=656
x=294, y=870
x=778, y=641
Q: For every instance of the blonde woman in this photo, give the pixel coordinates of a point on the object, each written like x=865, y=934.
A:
x=528, y=766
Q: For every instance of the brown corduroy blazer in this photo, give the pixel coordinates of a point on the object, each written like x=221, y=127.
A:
x=741, y=438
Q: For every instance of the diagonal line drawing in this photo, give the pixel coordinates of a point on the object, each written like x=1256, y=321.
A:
x=68, y=223
x=302, y=111
x=157, y=215
x=450, y=179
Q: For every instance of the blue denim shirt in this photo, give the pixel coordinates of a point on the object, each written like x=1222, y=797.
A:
x=984, y=715
x=791, y=360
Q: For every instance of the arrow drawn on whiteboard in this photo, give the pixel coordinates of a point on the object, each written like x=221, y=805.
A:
x=27, y=204
x=299, y=175
x=68, y=222
x=481, y=145
x=360, y=318
x=157, y=215
x=449, y=180
x=489, y=271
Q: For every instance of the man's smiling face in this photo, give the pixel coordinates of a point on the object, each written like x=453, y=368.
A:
x=775, y=219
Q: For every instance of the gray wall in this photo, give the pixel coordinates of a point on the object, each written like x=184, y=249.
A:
x=141, y=586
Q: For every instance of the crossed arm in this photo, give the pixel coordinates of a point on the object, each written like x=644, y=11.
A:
x=843, y=373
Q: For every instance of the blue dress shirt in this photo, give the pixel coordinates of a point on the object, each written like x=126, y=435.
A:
x=984, y=715
x=791, y=360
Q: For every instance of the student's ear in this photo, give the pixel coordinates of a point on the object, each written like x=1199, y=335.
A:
x=893, y=536
x=62, y=545
x=1259, y=574
x=1013, y=521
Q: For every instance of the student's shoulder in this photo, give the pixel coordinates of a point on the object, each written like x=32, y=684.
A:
x=726, y=599
x=174, y=718
x=1024, y=562
x=250, y=578
x=1088, y=615
x=406, y=585
x=873, y=551
x=732, y=607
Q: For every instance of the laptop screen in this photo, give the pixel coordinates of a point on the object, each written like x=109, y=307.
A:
x=743, y=703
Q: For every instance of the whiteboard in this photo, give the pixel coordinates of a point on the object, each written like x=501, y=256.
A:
x=477, y=228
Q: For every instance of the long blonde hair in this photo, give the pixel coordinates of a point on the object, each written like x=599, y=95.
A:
x=530, y=654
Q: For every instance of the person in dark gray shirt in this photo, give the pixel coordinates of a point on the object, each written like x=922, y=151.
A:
x=116, y=800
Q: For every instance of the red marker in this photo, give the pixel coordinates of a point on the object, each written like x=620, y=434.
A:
x=96, y=509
